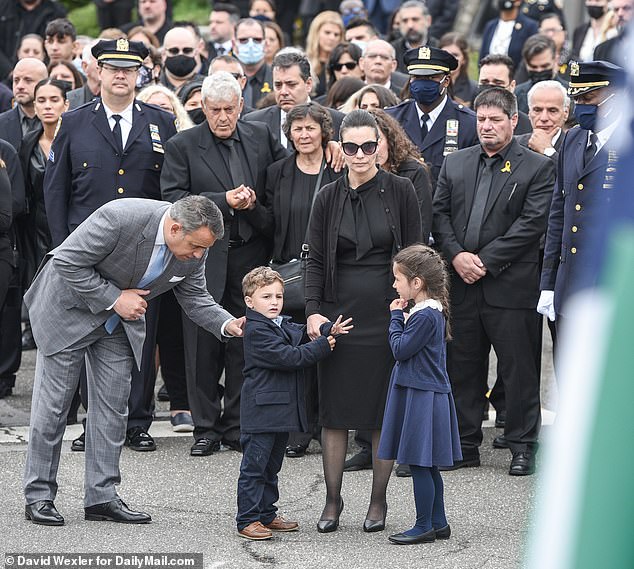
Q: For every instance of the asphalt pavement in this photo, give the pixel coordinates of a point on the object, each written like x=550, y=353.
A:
x=193, y=504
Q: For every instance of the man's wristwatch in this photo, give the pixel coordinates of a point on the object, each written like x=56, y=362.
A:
x=549, y=151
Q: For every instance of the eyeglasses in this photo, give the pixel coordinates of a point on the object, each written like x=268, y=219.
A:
x=245, y=41
x=124, y=70
x=177, y=50
x=368, y=148
x=349, y=65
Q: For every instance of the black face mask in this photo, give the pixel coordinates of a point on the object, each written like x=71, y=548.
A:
x=504, y=5
x=537, y=76
x=180, y=65
x=595, y=12
x=197, y=116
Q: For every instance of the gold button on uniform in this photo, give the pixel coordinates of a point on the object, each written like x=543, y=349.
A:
x=574, y=229
x=156, y=166
x=578, y=207
x=120, y=190
x=573, y=250
x=121, y=172
x=85, y=164
x=580, y=187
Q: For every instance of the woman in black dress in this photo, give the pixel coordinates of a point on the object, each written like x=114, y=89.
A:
x=290, y=188
x=358, y=223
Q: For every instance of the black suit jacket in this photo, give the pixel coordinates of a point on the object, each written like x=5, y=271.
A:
x=78, y=97
x=523, y=29
x=11, y=129
x=194, y=165
x=271, y=116
x=577, y=39
x=398, y=81
x=514, y=220
x=612, y=50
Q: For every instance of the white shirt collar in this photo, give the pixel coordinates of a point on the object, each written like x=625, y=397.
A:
x=556, y=137
x=433, y=115
x=428, y=303
x=604, y=135
x=126, y=114
x=160, y=235
x=278, y=320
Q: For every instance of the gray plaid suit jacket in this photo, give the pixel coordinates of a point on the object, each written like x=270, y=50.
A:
x=106, y=254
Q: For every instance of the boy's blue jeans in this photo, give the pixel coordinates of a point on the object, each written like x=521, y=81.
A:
x=262, y=456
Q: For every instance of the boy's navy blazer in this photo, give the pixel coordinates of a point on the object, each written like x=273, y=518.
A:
x=274, y=360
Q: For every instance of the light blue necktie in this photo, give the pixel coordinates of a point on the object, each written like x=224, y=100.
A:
x=154, y=271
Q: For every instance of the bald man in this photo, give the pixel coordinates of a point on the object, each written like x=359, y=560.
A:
x=181, y=58
x=14, y=124
x=378, y=64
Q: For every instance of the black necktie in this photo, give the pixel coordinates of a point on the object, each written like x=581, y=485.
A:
x=423, y=127
x=472, y=234
x=240, y=229
x=118, y=138
x=591, y=149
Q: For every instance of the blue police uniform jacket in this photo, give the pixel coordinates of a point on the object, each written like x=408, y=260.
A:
x=275, y=356
x=581, y=192
x=85, y=169
x=436, y=144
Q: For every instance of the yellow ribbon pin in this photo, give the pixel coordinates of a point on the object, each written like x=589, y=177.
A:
x=266, y=88
x=507, y=167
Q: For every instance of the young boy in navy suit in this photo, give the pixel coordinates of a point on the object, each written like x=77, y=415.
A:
x=276, y=351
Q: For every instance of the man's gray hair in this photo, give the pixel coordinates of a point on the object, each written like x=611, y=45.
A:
x=194, y=212
x=541, y=85
x=221, y=86
x=422, y=6
x=497, y=97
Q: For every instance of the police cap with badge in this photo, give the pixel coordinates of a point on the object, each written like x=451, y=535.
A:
x=427, y=60
x=120, y=52
x=586, y=76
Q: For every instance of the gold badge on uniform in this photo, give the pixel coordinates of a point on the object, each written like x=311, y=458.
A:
x=123, y=45
x=424, y=53
x=574, y=69
x=155, y=136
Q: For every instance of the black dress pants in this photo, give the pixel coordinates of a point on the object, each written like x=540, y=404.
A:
x=515, y=337
x=10, y=327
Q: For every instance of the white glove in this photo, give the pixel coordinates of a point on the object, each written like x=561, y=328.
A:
x=546, y=304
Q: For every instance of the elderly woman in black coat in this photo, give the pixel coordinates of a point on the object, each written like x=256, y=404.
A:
x=291, y=184
x=358, y=223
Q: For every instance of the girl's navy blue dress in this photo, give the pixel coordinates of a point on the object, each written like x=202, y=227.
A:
x=420, y=425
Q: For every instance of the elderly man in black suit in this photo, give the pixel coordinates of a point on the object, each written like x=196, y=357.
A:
x=490, y=211
x=378, y=64
x=224, y=159
x=292, y=84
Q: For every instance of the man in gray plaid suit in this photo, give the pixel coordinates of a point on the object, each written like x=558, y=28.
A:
x=88, y=301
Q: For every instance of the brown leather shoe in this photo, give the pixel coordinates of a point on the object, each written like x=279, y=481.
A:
x=280, y=524
x=255, y=531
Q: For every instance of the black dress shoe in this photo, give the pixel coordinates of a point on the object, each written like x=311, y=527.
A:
x=137, y=438
x=443, y=533
x=116, y=511
x=360, y=461
x=162, y=394
x=370, y=526
x=403, y=471
x=464, y=463
x=522, y=464
x=500, y=442
x=500, y=419
x=28, y=343
x=233, y=444
x=327, y=526
x=402, y=539
x=204, y=447
x=295, y=451
x=79, y=444
x=43, y=513
x=6, y=387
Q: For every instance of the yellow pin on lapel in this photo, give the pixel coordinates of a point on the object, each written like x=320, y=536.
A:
x=507, y=167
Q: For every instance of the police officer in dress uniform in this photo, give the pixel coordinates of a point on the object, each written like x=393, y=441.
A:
x=111, y=148
x=436, y=124
x=587, y=167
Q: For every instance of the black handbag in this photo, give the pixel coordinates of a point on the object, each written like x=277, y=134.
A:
x=293, y=273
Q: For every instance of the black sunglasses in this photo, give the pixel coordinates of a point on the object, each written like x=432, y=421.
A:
x=350, y=65
x=368, y=148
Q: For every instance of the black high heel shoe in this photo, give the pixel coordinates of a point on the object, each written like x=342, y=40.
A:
x=327, y=526
x=371, y=526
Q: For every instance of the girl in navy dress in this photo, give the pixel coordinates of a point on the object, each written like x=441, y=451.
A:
x=420, y=427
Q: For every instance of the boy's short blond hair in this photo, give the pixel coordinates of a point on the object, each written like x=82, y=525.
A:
x=258, y=278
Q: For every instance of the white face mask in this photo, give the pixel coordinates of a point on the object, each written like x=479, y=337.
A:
x=362, y=44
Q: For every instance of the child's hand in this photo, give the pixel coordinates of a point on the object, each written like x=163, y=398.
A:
x=340, y=327
x=398, y=304
x=332, y=342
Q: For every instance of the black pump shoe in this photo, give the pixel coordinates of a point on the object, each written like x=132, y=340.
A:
x=402, y=539
x=327, y=526
x=371, y=526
